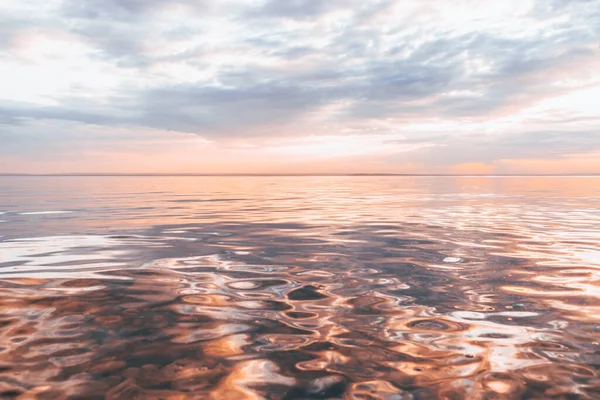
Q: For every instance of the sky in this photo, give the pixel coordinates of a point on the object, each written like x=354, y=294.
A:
x=300, y=86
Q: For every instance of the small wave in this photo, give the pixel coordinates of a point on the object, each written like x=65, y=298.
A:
x=46, y=212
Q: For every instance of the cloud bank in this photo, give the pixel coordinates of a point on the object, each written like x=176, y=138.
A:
x=336, y=86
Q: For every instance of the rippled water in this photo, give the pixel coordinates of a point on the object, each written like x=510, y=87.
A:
x=299, y=288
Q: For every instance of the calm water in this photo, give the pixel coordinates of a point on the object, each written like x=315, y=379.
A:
x=299, y=288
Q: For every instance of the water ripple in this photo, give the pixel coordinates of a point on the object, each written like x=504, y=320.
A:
x=349, y=288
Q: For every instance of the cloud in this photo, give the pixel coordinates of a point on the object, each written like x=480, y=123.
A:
x=217, y=111
x=124, y=10
x=481, y=149
x=298, y=9
x=18, y=115
x=468, y=79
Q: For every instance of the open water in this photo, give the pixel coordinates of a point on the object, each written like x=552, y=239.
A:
x=370, y=287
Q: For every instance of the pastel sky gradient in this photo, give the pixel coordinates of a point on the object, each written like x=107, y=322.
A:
x=300, y=86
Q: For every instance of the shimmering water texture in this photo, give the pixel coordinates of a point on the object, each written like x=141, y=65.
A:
x=299, y=288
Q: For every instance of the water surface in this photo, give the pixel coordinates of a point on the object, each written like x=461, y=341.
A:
x=299, y=287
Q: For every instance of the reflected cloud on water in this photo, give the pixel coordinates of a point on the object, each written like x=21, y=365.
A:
x=383, y=297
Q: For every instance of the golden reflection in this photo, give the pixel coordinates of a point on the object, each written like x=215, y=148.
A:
x=303, y=287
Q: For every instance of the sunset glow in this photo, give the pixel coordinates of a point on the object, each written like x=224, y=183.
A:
x=343, y=86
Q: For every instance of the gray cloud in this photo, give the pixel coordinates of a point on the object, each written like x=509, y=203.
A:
x=211, y=110
x=297, y=9
x=269, y=76
x=9, y=119
x=123, y=10
x=18, y=115
x=377, y=88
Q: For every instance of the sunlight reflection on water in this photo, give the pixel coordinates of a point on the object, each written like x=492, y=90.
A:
x=299, y=287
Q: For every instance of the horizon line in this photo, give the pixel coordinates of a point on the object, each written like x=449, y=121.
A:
x=100, y=174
